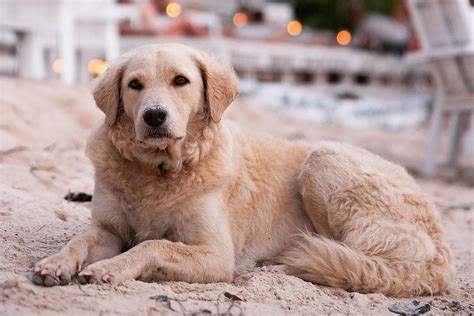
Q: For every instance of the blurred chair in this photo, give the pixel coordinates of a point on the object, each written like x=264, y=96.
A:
x=64, y=26
x=446, y=45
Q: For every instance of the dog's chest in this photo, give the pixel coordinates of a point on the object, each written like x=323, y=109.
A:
x=148, y=220
x=149, y=224
x=147, y=190
x=153, y=205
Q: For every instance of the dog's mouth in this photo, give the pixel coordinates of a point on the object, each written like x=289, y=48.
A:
x=158, y=138
x=161, y=136
x=158, y=135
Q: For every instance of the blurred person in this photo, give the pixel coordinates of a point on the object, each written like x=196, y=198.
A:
x=385, y=33
x=154, y=22
x=252, y=27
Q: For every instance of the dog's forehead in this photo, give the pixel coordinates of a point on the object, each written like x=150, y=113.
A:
x=162, y=57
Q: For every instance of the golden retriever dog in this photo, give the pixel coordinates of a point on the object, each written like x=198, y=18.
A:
x=182, y=195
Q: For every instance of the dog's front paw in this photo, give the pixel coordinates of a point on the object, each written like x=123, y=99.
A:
x=105, y=271
x=54, y=270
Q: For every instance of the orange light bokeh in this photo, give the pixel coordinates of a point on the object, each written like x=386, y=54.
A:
x=240, y=19
x=173, y=9
x=294, y=28
x=97, y=66
x=58, y=66
x=343, y=37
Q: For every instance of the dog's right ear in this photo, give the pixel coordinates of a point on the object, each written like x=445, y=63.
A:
x=107, y=92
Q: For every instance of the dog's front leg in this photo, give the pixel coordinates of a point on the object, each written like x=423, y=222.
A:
x=96, y=244
x=206, y=256
x=173, y=261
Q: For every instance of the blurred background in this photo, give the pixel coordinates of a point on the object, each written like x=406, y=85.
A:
x=396, y=77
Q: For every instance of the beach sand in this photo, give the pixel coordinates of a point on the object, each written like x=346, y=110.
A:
x=44, y=126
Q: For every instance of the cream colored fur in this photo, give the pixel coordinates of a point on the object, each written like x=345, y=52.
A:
x=333, y=214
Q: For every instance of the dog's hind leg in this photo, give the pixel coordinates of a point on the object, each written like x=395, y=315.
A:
x=376, y=232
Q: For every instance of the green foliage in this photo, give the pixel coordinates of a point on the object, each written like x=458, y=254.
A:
x=338, y=14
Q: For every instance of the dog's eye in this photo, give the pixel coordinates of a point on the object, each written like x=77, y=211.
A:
x=180, y=81
x=135, y=84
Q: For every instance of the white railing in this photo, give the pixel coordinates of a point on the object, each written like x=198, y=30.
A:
x=298, y=63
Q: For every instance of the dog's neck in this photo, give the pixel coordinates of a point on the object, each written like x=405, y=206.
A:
x=170, y=161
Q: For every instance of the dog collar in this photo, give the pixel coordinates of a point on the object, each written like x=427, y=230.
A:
x=164, y=168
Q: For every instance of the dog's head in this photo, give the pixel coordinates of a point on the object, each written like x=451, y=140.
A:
x=163, y=93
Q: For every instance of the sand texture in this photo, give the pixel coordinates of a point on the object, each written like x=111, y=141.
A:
x=43, y=129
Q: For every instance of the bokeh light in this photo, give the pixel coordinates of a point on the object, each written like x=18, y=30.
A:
x=343, y=37
x=57, y=66
x=173, y=9
x=240, y=19
x=96, y=66
x=294, y=28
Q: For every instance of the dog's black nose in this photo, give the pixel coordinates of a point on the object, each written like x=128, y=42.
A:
x=155, y=117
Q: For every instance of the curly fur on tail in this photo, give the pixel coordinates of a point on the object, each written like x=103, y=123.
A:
x=328, y=262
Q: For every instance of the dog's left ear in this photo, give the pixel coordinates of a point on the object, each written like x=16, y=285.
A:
x=221, y=85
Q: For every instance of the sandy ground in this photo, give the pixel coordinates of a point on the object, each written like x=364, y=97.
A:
x=43, y=130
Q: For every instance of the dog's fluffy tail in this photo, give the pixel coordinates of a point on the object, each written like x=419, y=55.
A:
x=328, y=262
